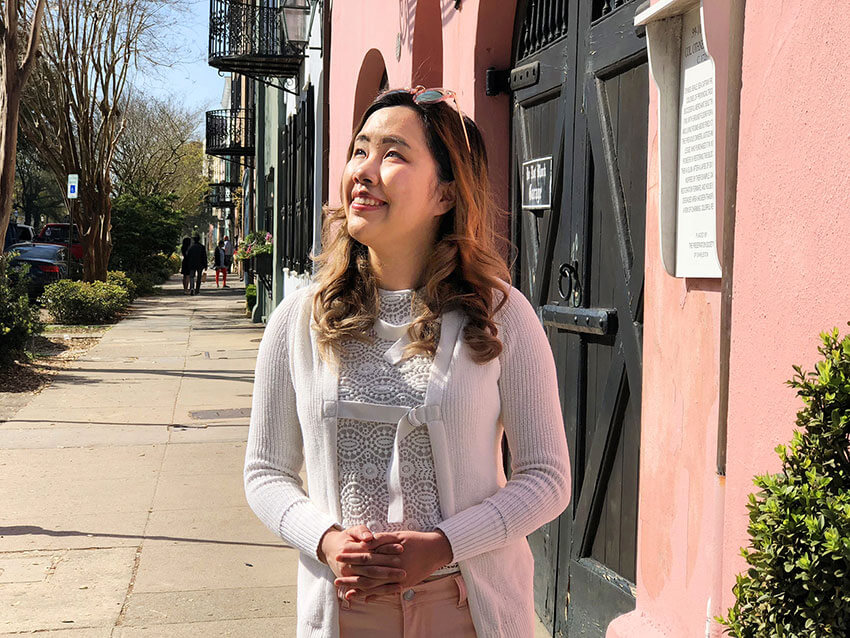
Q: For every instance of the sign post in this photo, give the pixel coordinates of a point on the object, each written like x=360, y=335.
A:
x=73, y=191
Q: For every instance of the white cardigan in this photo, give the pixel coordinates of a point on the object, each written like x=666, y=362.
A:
x=467, y=405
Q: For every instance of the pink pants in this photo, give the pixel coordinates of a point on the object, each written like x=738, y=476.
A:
x=434, y=608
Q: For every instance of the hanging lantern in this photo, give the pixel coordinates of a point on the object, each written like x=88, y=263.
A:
x=296, y=22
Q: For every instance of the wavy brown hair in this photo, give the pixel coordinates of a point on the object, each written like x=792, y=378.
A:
x=465, y=270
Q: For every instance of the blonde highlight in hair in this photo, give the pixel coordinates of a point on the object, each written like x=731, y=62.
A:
x=464, y=270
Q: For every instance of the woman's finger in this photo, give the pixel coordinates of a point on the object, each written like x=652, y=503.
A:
x=375, y=572
x=387, y=560
x=382, y=538
x=363, y=582
x=365, y=597
x=361, y=533
x=389, y=548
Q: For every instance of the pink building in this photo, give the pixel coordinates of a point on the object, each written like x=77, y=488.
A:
x=671, y=368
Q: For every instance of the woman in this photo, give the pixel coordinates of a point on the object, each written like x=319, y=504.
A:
x=184, y=267
x=219, y=264
x=393, y=377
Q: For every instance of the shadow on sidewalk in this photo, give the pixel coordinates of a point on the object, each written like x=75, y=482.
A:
x=26, y=530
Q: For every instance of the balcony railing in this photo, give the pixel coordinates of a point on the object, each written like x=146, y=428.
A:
x=248, y=39
x=230, y=132
x=221, y=196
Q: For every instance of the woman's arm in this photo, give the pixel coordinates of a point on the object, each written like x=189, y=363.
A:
x=539, y=487
x=274, y=452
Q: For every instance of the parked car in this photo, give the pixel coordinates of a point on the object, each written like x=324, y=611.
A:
x=17, y=233
x=56, y=233
x=47, y=263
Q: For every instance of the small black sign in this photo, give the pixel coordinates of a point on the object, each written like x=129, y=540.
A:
x=537, y=183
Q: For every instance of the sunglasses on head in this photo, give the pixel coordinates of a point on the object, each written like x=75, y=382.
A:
x=421, y=95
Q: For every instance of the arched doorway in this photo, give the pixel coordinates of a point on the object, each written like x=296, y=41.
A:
x=427, y=58
x=370, y=81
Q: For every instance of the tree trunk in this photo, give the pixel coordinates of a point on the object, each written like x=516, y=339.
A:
x=97, y=242
x=8, y=147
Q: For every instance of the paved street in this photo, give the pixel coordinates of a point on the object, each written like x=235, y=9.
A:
x=123, y=513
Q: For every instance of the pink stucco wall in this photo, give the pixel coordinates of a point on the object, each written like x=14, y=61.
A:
x=789, y=282
x=471, y=39
x=791, y=268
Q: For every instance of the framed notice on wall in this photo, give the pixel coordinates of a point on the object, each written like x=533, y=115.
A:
x=694, y=62
x=696, y=214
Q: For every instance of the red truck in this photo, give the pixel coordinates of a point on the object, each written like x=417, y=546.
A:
x=58, y=234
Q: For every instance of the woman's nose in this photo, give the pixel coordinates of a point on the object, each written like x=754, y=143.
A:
x=365, y=173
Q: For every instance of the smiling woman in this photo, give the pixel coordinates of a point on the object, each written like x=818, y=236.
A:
x=394, y=378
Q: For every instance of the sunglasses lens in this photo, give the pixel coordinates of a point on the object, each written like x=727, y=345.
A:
x=430, y=96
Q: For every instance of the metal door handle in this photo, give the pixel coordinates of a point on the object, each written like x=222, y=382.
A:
x=573, y=294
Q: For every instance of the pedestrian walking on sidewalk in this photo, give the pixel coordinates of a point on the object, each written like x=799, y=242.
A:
x=228, y=253
x=393, y=377
x=184, y=265
x=219, y=264
x=196, y=257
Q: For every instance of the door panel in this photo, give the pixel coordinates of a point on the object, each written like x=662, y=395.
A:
x=586, y=255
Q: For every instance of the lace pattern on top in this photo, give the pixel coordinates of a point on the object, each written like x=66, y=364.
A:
x=364, y=448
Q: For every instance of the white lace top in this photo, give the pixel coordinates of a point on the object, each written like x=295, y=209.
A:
x=364, y=448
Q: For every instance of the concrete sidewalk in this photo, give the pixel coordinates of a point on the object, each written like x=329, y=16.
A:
x=123, y=513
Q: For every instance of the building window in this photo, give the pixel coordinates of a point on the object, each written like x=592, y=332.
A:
x=296, y=202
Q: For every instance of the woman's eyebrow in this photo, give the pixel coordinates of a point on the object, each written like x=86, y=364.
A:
x=385, y=141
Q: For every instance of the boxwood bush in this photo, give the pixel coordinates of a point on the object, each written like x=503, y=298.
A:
x=798, y=582
x=250, y=296
x=19, y=320
x=144, y=282
x=120, y=278
x=79, y=302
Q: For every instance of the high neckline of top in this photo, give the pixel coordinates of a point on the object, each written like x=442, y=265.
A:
x=384, y=291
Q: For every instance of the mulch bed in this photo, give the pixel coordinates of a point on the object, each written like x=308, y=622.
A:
x=52, y=351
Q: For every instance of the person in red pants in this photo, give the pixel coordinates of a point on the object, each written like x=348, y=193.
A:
x=220, y=267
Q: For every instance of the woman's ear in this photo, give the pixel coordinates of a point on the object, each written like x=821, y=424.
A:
x=448, y=197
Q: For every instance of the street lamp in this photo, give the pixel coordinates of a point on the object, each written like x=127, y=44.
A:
x=296, y=22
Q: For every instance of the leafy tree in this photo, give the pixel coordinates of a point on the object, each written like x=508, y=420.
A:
x=142, y=226
x=73, y=109
x=798, y=582
x=157, y=152
x=37, y=194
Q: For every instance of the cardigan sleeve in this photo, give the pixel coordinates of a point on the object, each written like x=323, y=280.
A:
x=539, y=487
x=274, y=453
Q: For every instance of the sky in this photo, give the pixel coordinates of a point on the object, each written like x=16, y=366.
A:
x=189, y=78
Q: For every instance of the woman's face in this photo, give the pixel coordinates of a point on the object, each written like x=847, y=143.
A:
x=391, y=193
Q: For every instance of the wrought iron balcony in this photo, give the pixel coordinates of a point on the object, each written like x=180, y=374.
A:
x=230, y=132
x=249, y=39
x=221, y=196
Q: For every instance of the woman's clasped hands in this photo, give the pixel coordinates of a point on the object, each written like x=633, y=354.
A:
x=368, y=565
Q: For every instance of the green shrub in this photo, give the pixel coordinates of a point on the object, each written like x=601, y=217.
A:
x=160, y=267
x=250, y=296
x=175, y=262
x=798, y=583
x=75, y=302
x=120, y=278
x=143, y=225
x=145, y=283
x=18, y=318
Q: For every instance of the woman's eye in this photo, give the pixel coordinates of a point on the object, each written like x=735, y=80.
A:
x=394, y=154
x=359, y=151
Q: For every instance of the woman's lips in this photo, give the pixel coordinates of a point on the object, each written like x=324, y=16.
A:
x=362, y=204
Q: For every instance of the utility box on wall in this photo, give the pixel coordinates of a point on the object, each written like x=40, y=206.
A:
x=694, y=47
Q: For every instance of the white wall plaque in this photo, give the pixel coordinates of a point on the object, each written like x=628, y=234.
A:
x=696, y=227
x=695, y=49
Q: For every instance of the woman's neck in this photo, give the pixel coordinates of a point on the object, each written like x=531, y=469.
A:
x=402, y=271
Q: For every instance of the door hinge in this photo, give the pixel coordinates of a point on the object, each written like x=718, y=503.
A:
x=524, y=76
